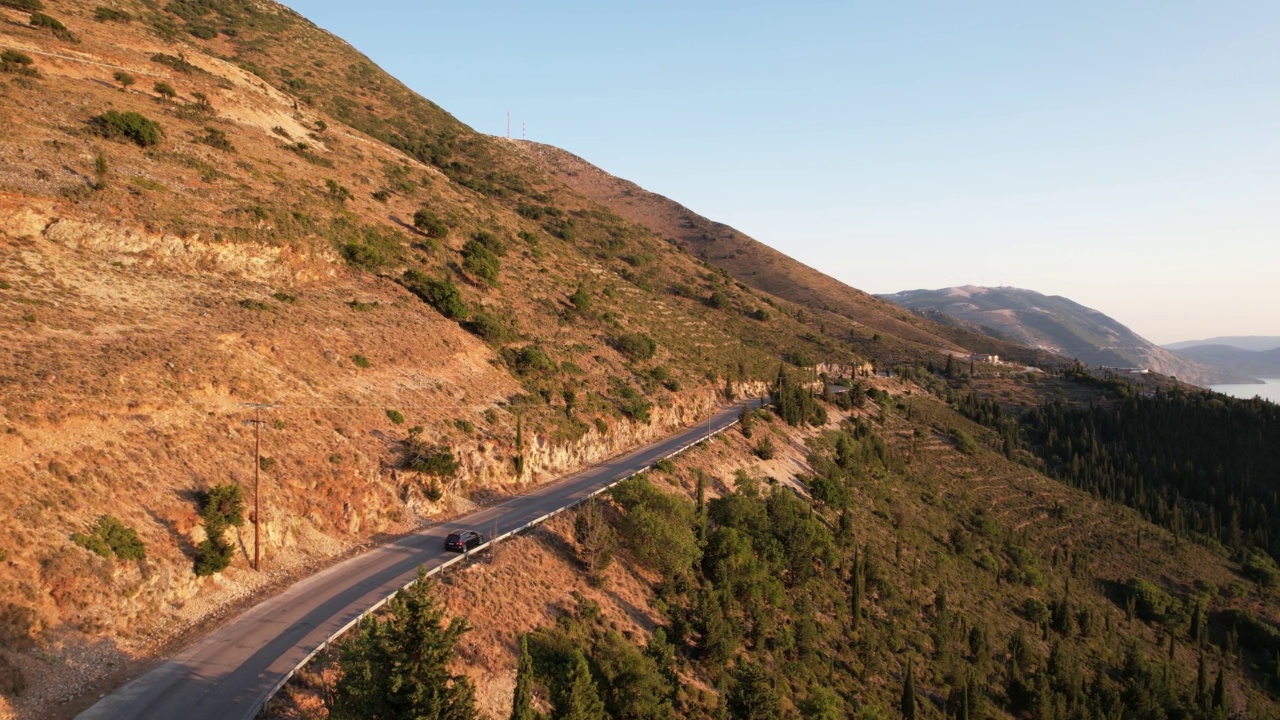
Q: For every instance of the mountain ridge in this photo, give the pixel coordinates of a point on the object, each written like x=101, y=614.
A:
x=1057, y=324
x=764, y=268
x=1256, y=343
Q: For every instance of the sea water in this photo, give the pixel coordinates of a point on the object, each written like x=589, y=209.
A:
x=1269, y=390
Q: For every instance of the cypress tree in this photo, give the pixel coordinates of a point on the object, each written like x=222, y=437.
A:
x=1202, y=683
x=522, y=701
x=1220, y=693
x=909, y=694
x=855, y=600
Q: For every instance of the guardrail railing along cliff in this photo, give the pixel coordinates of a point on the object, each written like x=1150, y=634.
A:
x=466, y=556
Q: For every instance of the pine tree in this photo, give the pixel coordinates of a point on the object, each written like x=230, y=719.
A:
x=752, y=697
x=580, y=699
x=522, y=700
x=398, y=667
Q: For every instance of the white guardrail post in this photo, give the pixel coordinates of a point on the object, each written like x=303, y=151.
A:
x=262, y=705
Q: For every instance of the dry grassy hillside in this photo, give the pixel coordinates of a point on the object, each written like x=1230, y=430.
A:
x=213, y=204
x=858, y=316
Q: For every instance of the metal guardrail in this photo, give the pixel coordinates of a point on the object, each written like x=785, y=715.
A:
x=466, y=556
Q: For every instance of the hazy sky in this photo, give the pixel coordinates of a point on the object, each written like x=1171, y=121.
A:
x=1123, y=154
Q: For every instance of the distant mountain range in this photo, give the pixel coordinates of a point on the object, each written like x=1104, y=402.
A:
x=1059, y=325
x=1255, y=343
x=1236, y=360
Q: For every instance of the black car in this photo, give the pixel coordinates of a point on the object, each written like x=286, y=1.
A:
x=463, y=541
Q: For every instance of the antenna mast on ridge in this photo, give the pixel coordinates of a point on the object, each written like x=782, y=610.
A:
x=524, y=135
x=508, y=124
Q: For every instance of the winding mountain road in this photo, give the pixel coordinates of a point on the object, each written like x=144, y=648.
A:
x=231, y=673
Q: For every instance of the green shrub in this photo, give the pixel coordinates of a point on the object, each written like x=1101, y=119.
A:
x=480, y=262
x=12, y=61
x=488, y=327
x=125, y=79
x=54, y=25
x=286, y=298
x=442, y=295
x=106, y=14
x=176, y=63
x=203, y=32
x=221, y=506
x=222, y=503
x=130, y=126
x=764, y=449
x=1261, y=568
x=657, y=528
x=258, y=305
x=718, y=300
x=28, y=5
x=360, y=361
x=964, y=442
x=335, y=191
x=529, y=360
x=92, y=543
x=303, y=150
x=1152, y=603
x=491, y=243
x=636, y=346
x=213, y=137
x=395, y=416
x=14, y=57
x=435, y=491
x=631, y=404
x=167, y=91
x=368, y=246
x=111, y=537
x=430, y=224
x=434, y=460
x=581, y=300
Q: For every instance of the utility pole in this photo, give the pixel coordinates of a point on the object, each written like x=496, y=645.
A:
x=257, y=476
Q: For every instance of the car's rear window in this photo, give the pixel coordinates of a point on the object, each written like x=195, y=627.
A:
x=453, y=537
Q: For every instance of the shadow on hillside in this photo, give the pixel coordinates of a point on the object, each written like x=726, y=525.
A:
x=557, y=545
x=638, y=616
x=407, y=226
x=179, y=538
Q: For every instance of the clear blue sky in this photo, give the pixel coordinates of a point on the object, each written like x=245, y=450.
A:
x=1123, y=154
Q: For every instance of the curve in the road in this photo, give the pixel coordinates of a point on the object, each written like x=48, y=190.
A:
x=231, y=673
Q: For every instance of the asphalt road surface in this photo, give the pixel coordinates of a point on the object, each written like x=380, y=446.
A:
x=230, y=673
